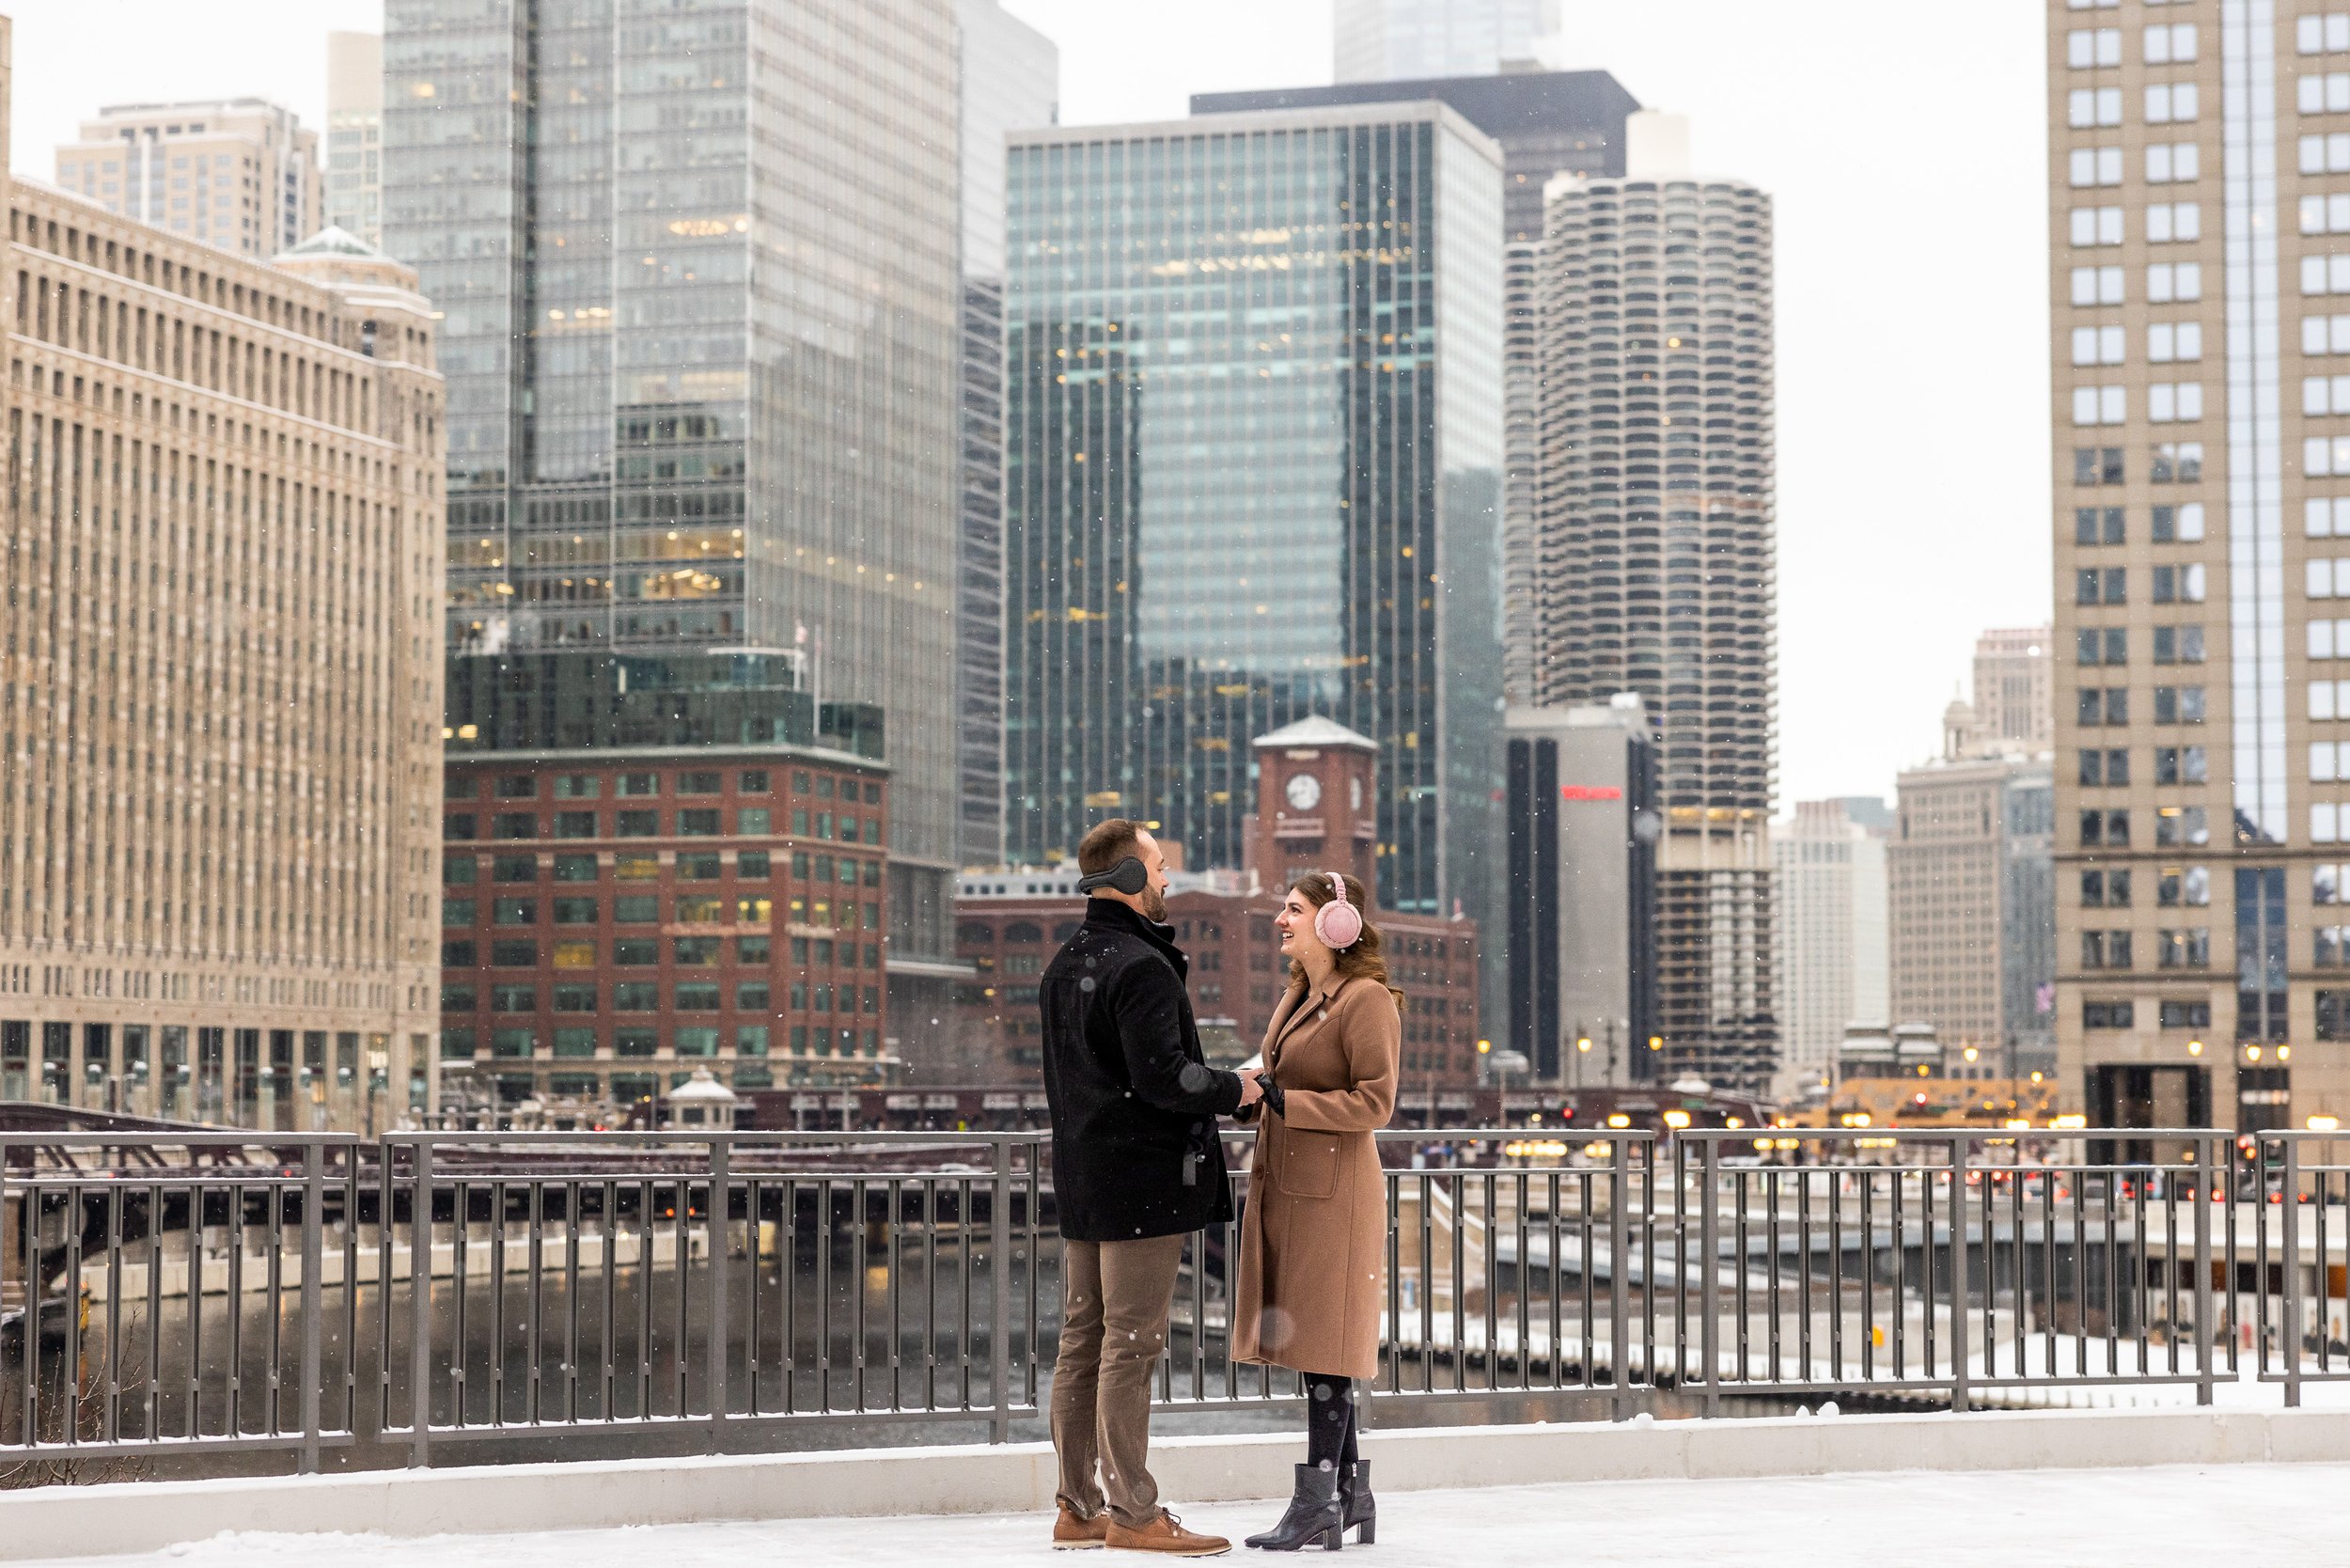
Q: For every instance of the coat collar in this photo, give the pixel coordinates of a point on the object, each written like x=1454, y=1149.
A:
x=1110, y=915
x=1307, y=1002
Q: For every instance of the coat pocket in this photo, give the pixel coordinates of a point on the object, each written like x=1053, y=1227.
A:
x=1309, y=1164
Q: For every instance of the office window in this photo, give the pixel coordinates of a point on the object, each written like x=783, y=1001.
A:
x=2104, y=345
x=2325, y=275
x=2105, y=949
x=2181, y=826
x=514, y=824
x=2170, y=282
x=575, y=867
x=2185, y=1015
x=2183, y=947
x=2326, y=214
x=514, y=867
x=752, y=865
x=2100, y=405
x=2104, y=889
x=751, y=781
x=574, y=825
x=2322, y=35
x=2086, y=48
x=2176, y=462
x=638, y=824
x=638, y=784
x=699, y=783
x=703, y=866
x=2179, y=524
x=576, y=786
x=2170, y=163
x=2178, y=704
x=2173, y=222
x=2097, y=226
x=456, y=912
x=2103, y=768
x=514, y=955
x=2088, y=108
x=2325, y=154
x=698, y=823
x=2170, y=102
x=636, y=996
x=2181, y=765
x=2170, y=341
x=2179, y=585
x=2097, y=286
x=2095, y=165
x=2169, y=402
x=458, y=871
x=636, y=952
x=2169, y=43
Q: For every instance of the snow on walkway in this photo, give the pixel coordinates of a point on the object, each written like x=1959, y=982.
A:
x=2278, y=1516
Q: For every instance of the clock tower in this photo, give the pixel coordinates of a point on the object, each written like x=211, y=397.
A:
x=1317, y=803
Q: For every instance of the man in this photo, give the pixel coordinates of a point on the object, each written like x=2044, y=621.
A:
x=1138, y=1165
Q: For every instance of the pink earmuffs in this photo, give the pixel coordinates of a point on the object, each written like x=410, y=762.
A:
x=1338, y=923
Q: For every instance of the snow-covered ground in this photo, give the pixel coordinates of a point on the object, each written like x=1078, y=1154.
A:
x=2278, y=1516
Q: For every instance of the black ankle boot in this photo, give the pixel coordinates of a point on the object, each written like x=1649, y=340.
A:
x=1357, y=1508
x=1313, y=1514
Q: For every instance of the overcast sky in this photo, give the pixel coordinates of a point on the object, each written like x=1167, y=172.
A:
x=1904, y=144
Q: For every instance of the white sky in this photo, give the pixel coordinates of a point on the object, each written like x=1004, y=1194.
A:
x=1905, y=146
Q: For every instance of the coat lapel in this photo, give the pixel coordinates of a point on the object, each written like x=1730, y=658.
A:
x=1311, y=1007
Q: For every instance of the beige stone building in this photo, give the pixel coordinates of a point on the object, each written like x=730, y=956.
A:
x=240, y=174
x=1968, y=873
x=2200, y=193
x=354, y=135
x=220, y=558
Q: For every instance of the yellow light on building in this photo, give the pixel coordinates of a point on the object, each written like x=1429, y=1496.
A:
x=2323, y=1124
x=1676, y=1119
x=2194, y=1047
x=2063, y=1122
x=1618, y=1119
x=2016, y=1123
x=1584, y=1044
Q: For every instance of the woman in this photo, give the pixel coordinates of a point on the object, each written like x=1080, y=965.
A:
x=1314, y=1236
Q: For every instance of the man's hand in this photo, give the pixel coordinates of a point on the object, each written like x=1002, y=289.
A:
x=1250, y=1090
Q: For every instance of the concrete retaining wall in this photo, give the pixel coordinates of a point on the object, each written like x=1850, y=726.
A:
x=146, y=1517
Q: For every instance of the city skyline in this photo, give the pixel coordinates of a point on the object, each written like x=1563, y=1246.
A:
x=1983, y=545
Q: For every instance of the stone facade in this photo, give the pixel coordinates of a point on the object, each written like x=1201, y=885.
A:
x=220, y=678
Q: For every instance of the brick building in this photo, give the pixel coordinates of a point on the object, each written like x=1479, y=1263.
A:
x=1315, y=795
x=615, y=918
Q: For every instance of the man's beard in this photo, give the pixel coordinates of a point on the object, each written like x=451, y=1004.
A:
x=1154, y=904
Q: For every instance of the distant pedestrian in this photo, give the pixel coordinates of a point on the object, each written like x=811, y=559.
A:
x=1138, y=1165
x=1313, y=1242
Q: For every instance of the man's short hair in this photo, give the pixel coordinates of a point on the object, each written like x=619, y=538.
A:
x=1107, y=843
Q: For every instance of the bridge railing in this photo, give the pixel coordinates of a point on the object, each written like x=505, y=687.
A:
x=422, y=1294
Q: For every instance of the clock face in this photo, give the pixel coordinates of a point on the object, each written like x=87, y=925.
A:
x=1304, y=791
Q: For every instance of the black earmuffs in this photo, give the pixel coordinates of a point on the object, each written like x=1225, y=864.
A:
x=1129, y=876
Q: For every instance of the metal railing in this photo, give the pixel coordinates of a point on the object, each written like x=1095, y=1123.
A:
x=430, y=1291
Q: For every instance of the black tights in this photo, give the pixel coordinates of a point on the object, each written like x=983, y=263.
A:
x=1329, y=1421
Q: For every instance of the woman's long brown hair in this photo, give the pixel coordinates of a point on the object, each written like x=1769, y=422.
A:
x=1364, y=958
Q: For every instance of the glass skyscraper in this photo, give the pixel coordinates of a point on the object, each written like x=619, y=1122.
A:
x=698, y=269
x=1253, y=431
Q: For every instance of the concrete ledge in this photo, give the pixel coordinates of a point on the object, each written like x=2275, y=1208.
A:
x=92, y=1521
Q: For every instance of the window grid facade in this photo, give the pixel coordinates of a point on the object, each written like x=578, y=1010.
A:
x=1253, y=474
x=218, y=702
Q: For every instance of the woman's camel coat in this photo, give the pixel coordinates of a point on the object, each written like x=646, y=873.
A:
x=1313, y=1244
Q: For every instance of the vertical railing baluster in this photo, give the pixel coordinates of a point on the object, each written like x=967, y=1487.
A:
x=1962, y=1275
x=313, y=1299
x=110, y=1418
x=1710, y=1244
x=720, y=1226
x=2290, y=1208
x=534, y=1336
x=2209, y=1163
x=999, y=1293
x=1618, y=1284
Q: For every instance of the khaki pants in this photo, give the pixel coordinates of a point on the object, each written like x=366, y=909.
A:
x=1114, y=1302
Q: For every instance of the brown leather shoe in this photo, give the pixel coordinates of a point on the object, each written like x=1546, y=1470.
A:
x=1166, y=1536
x=1071, y=1531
